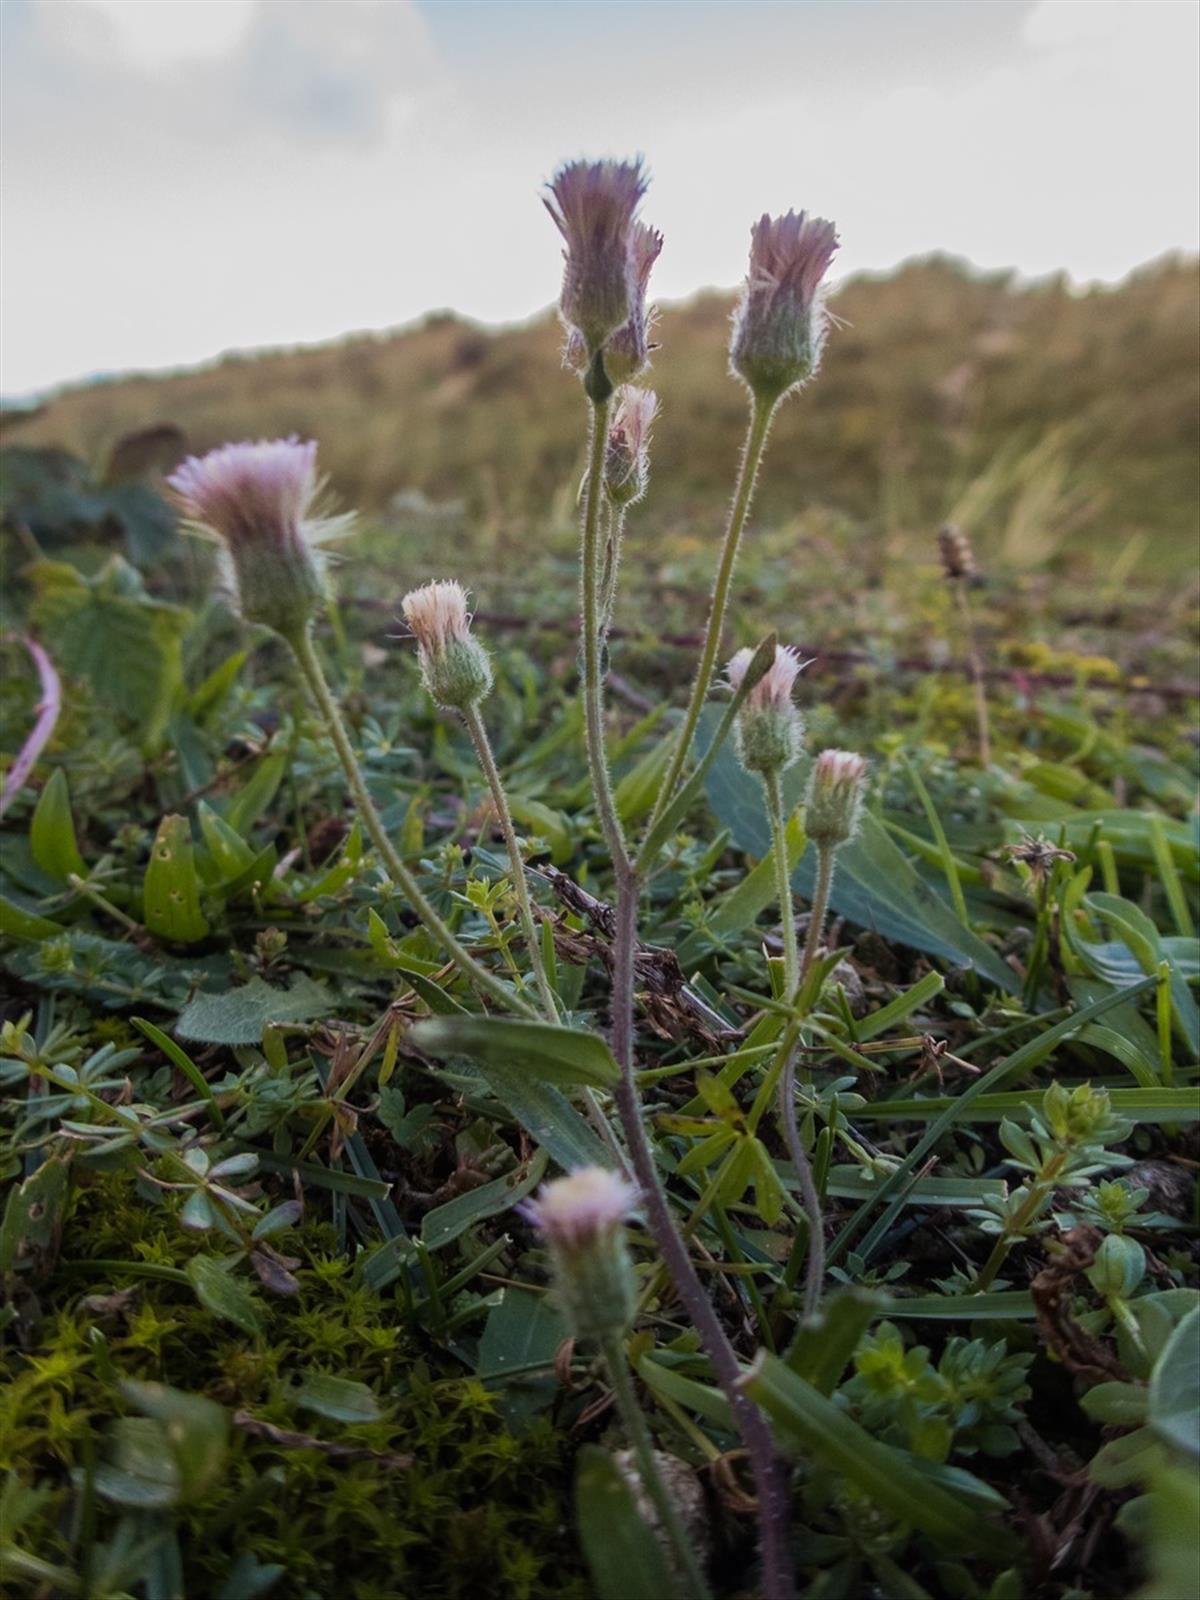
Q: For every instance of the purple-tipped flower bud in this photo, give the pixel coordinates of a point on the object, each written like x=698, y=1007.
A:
x=593, y=204
x=259, y=501
x=833, y=804
x=454, y=665
x=582, y=1219
x=627, y=454
x=780, y=323
x=769, y=729
x=628, y=351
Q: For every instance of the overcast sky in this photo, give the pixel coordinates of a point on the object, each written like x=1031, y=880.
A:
x=183, y=177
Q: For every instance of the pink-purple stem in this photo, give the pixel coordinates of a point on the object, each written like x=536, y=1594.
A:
x=48, y=710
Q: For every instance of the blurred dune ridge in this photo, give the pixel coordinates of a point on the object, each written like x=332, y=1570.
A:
x=945, y=392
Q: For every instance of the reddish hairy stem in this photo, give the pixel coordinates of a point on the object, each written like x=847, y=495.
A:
x=769, y=1482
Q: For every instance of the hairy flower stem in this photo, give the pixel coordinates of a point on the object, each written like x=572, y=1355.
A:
x=769, y=1482
x=751, y=1424
x=814, y=1266
x=976, y=663
x=682, y=1549
x=487, y=760
x=826, y=858
x=783, y=882
x=814, y=1273
x=593, y=708
x=752, y=454
x=314, y=676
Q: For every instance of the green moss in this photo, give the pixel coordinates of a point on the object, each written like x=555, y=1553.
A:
x=479, y=1510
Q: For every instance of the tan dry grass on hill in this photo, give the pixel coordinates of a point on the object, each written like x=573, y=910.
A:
x=1040, y=413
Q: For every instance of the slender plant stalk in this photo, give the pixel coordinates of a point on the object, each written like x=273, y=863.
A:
x=647, y=1467
x=752, y=453
x=756, y=1436
x=314, y=676
x=814, y=1272
x=783, y=882
x=769, y=1482
x=487, y=760
x=593, y=708
x=610, y=567
x=814, y=1266
x=820, y=904
x=976, y=663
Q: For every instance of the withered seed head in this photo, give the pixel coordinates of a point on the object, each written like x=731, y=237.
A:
x=958, y=559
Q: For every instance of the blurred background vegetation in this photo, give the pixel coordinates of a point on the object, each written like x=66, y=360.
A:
x=1059, y=426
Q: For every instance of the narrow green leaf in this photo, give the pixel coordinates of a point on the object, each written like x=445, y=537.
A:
x=177, y=1054
x=171, y=887
x=1025, y=1059
x=818, y=1427
x=252, y=801
x=623, y=1555
x=1175, y=1389
x=823, y=1347
x=445, y=1223
x=1001, y=1305
x=224, y=1295
x=549, y=1117
x=547, y=1053
x=1166, y=1105
x=52, y=831
x=17, y=923
x=523, y=1330
x=339, y=1399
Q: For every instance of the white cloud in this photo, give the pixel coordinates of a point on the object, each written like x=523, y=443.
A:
x=335, y=164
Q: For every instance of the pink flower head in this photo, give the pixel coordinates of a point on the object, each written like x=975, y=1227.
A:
x=593, y=204
x=626, y=457
x=773, y=691
x=259, y=499
x=769, y=728
x=455, y=665
x=582, y=1209
x=780, y=323
x=437, y=613
x=835, y=795
x=259, y=492
x=841, y=767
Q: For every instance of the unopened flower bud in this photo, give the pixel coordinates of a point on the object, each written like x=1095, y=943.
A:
x=958, y=559
x=258, y=499
x=833, y=804
x=627, y=454
x=582, y=1218
x=780, y=323
x=593, y=204
x=769, y=729
x=454, y=665
x=628, y=351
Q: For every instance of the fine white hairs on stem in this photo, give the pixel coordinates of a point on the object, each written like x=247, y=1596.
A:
x=607, y=256
x=454, y=664
x=780, y=322
x=769, y=727
x=627, y=451
x=260, y=500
